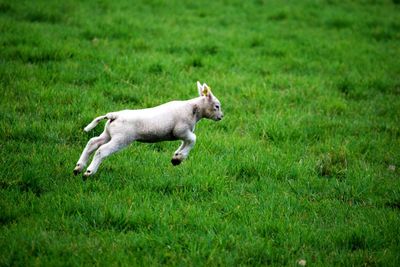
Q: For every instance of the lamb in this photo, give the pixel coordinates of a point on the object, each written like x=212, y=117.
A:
x=171, y=121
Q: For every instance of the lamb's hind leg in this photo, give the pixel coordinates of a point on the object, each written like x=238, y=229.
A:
x=114, y=145
x=91, y=146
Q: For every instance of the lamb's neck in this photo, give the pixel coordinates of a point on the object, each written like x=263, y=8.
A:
x=198, y=107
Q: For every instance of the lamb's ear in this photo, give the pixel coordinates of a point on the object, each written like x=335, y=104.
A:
x=200, y=88
x=206, y=91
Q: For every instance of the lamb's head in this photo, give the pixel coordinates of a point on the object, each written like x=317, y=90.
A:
x=211, y=107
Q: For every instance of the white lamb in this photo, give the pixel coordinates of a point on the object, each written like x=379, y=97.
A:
x=174, y=120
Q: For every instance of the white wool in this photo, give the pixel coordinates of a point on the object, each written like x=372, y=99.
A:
x=174, y=120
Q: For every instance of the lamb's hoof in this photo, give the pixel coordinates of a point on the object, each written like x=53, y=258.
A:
x=77, y=170
x=175, y=161
x=87, y=174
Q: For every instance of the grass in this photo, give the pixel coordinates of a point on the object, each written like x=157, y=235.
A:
x=305, y=164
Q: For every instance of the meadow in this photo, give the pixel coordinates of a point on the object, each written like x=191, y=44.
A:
x=304, y=165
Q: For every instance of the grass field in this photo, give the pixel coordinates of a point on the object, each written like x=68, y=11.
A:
x=304, y=166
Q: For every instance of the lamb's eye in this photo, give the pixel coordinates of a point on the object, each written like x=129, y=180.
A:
x=217, y=106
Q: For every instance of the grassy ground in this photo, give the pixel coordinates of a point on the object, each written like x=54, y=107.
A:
x=305, y=164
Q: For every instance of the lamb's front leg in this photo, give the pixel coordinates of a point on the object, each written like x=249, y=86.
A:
x=189, y=139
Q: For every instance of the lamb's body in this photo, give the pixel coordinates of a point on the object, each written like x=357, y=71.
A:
x=174, y=120
x=166, y=122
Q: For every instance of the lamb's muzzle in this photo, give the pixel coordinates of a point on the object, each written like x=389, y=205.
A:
x=174, y=120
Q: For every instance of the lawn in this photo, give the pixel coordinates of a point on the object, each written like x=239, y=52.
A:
x=304, y=165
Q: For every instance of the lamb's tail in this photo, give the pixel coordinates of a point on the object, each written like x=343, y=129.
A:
x=96, y=121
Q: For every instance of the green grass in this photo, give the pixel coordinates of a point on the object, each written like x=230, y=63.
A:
x=305, y=164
